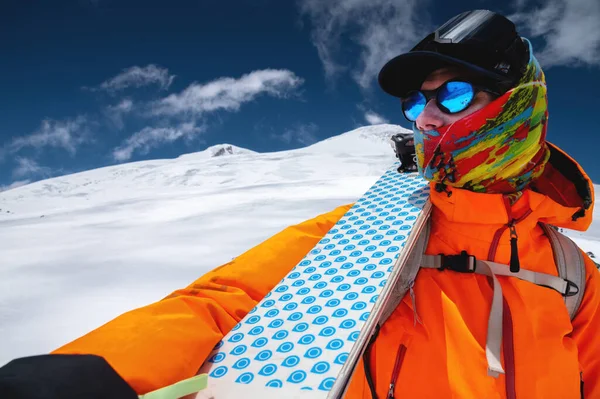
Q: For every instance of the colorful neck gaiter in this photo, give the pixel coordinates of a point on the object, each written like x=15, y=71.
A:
x=499, y=149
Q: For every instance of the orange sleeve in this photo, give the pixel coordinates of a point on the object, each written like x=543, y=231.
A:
x=167, y=341
x=585, y=331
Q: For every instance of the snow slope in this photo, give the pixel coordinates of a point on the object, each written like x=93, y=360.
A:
x=78, y=250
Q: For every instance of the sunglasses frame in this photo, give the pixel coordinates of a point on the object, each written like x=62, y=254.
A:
x=430, y=94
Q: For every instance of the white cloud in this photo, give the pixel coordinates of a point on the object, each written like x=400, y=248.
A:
x=303, y=134
x=138, y=77
x=228, y=93
x=570, y=29
x=374, y=119
x=195, y=102
x=115, y=113
x=67, y=134
x=381, y=28
x=126, y=105
x=29, y=167
x=151, y=137
x=14, y=184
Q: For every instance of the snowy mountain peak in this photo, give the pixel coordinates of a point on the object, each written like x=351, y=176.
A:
x=378, y=132
x=218, y=150
x=222, y=166
x=365, y=140
x=223, y=150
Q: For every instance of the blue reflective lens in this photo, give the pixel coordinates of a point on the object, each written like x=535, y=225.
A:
x=452, y=97
x=413, y=105
x=456, y=96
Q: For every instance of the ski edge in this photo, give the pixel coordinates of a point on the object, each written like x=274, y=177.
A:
x=341, y=384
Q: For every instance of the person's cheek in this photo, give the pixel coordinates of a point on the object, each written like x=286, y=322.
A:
x=477, y=104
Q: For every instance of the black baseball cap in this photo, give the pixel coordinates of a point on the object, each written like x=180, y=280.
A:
x=481, y=41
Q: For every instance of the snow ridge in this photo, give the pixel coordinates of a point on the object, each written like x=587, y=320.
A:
x=79, y=250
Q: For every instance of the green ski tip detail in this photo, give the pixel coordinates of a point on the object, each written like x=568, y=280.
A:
x=179, y=389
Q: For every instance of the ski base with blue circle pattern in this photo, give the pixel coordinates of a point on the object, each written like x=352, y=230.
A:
x=304, y=338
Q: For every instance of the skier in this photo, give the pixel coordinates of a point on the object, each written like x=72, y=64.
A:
x=477, y=98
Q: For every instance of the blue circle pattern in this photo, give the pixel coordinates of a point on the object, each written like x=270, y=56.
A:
x=317, y=324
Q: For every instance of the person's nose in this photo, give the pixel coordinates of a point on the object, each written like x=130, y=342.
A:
x=431, y=118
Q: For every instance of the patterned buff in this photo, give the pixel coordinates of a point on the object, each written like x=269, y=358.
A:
x=499, y=149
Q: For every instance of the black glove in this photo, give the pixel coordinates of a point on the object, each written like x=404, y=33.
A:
x=62, y=377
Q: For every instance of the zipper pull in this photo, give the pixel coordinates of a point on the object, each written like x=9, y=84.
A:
x=397, y=365
x=390, y=394
x=414, y=303
x=515, y=265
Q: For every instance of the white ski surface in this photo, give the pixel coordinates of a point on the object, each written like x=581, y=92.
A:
x=303, y=333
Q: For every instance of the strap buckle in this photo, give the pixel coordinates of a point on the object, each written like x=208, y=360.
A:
x=463, y=263
x=572, y=289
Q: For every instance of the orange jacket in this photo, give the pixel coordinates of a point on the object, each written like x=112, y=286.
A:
x=544, y=354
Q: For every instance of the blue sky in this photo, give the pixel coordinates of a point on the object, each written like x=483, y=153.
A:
x=91, y=83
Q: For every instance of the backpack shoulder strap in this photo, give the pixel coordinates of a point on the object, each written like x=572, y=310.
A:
x=570, y=264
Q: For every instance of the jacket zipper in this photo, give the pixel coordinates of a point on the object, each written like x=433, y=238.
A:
x=509, y=351
x=514, y=256
x=507, y=324
x=495, y=242
x=396, y=371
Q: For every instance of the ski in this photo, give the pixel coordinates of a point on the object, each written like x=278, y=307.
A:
x=306, y=336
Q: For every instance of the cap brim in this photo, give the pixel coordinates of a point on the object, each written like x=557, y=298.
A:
x=406, y=72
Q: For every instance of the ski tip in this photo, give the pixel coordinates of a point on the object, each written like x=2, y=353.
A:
x=185, y=389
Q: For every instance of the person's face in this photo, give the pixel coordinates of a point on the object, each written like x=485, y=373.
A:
x=432, y=117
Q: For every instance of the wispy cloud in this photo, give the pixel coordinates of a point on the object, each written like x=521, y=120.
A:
x=115, y=113
x=228, y=93
x=138, y=77
x=570, y=29
x=194, y=103
x=304, y=134
x=374, y=119
x=380, y=28
x=27, y=167
x=14, y=184
x=126, y=105
x=66, y=134
x=152, y=137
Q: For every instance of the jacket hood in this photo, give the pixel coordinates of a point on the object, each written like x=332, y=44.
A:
x=565, y=182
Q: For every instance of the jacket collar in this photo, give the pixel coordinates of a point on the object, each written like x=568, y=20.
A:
x=563, y=196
